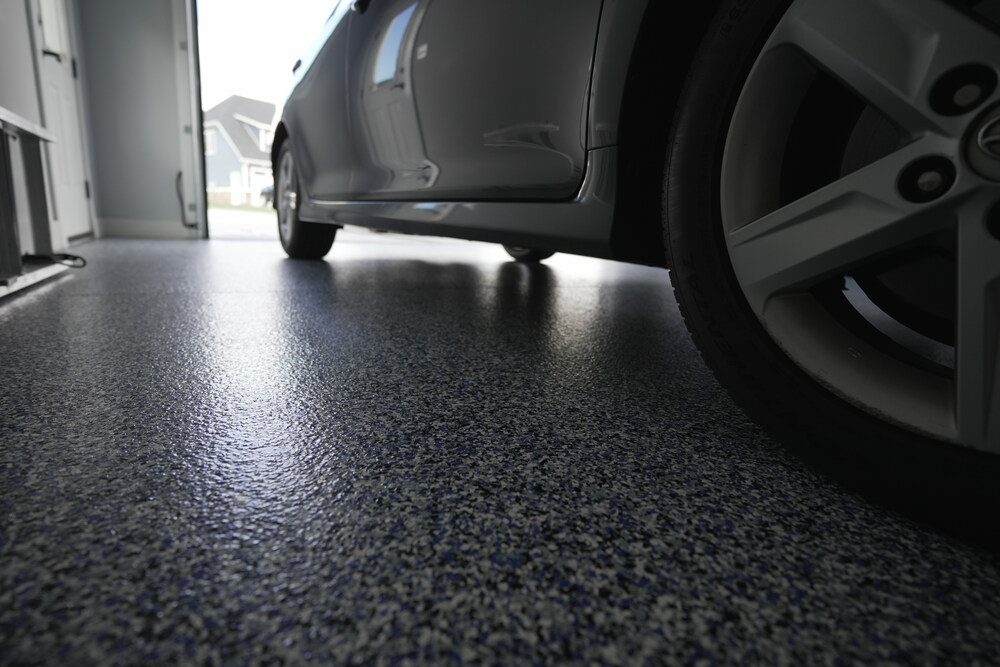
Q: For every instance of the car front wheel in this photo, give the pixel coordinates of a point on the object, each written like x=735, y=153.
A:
x=833, y=222
x=300, y=239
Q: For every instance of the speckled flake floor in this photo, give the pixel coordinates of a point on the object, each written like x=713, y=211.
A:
x=418, y=451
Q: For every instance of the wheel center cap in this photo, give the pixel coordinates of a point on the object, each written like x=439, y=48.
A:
x=988, y=138
x=983, y=145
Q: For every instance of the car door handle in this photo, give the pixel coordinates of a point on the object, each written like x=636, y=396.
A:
x=360, y=6
x=54, y=54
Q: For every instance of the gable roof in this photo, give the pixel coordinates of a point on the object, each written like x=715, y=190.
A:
x=225, y=113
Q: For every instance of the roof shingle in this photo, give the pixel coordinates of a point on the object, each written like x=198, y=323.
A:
x=225, y=113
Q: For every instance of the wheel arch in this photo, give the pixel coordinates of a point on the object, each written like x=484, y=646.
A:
x=280, y=136
x=662, y=55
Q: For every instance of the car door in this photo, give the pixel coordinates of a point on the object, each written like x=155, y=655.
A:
x=470, y=99
x=316, y=111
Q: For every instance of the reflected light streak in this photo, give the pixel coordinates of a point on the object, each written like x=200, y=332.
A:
x=254, y=424
x=388, y=52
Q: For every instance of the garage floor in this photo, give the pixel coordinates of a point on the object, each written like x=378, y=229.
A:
x=419, y=450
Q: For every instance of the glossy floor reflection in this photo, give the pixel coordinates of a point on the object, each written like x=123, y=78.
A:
x=418, y=449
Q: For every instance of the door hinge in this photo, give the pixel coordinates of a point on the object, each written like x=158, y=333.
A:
x=86, y=188
x=74, y=68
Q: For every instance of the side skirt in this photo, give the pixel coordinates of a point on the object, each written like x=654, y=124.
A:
x=579, y=226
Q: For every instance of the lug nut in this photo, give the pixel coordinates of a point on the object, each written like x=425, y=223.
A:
x=926, y=179
x=962, y=89
x=929, y=181
x=968, y=96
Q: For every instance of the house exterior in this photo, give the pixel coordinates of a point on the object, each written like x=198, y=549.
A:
x=238, y=138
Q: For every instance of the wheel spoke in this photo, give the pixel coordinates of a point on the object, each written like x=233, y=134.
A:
x=286, y=194
x=978, y=336
x=839, y=226
x=890, y=52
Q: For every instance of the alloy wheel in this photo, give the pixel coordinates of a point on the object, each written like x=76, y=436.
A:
x=925, y=184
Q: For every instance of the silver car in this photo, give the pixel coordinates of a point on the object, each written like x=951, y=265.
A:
x=821, y=178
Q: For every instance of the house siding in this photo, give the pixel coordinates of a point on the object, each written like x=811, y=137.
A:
x=240, y=167
x=219, y=166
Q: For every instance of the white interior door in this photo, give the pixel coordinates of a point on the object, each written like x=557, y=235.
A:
x=61, y=116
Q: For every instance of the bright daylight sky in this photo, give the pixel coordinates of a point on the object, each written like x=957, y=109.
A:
x=248, y=47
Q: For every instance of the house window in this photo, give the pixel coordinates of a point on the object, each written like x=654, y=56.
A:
x=211, y=145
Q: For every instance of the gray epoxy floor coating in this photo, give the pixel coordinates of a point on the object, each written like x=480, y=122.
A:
x=419, y=451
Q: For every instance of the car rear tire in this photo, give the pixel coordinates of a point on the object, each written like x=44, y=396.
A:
x=300, y=239
x=522, y=254
x=782, y=192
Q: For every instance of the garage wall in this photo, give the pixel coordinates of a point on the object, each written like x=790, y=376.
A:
x=18, y=91
x=138, y=93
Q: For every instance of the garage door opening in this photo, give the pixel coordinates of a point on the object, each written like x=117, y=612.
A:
x=246, y=51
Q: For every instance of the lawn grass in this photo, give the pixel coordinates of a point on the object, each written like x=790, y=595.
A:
x=241, y=207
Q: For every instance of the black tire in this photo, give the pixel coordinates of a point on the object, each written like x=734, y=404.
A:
x=523, y=254
x=928, y=478
x=300, y=239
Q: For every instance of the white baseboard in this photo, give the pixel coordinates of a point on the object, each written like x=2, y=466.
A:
x=138, y=228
